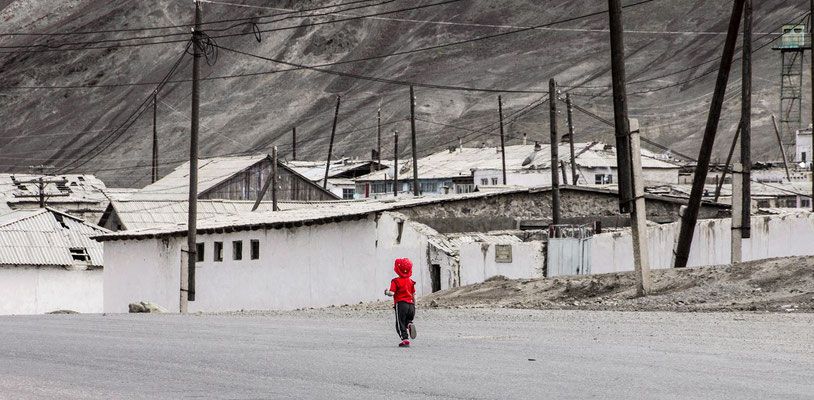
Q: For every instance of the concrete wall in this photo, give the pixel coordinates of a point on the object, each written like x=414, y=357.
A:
x=316, y=266
x=478, y=262
x=586, y=176
x=772, y=236
x=38, y=290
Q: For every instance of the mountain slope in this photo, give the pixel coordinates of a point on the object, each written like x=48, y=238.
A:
x=60, y=127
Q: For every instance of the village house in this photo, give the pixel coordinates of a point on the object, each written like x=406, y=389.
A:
x=464, y=169
x=49, y=263
x=803, y=153
x=233, y=178
x=83, y=196
x=341, y=174
x=343, y=254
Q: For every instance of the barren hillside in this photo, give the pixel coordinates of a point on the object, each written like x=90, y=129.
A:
x=256, y=110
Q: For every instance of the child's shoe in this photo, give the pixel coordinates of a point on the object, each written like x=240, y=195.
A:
x=411, y=329
x=404, y=343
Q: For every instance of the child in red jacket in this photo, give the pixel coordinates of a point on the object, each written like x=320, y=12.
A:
x=403, y=291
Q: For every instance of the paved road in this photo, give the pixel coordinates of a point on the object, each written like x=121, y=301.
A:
x=459, y=354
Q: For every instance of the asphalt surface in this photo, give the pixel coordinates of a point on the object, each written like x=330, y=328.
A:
x=498, y=354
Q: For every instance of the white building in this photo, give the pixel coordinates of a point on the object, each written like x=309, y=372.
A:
x=48, y=262
x=803, y=145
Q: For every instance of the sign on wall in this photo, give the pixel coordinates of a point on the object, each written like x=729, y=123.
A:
x=503, y=253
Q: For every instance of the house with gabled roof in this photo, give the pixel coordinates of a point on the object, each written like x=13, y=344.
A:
x=49, y=263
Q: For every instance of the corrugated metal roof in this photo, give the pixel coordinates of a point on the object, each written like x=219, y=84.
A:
x=462, y=161
x=38, y=237
x=211, y=171
x=460, y=238
x=76, y=189
x=315, y=170
x=141, y=214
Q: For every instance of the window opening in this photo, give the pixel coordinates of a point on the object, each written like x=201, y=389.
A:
x=80, y=254
x=255, y=250
x=237, y=250
x=199, y=252
x=218, y=251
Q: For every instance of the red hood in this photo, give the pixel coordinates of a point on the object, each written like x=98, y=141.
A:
x=404, y=267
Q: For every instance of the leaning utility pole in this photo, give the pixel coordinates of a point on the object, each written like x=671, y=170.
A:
x=726, y=165
x=155, y=138
x=416, y=190
x=782, y=148
x=395, y=164
x=293, y=143
x=628, y=154
x=746, y=124
x=555, y=158
x=192, y=223
x=690, y=217
x=502, y=142
x=331, y=145
x=571, y=138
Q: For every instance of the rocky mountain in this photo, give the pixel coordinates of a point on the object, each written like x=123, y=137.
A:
x=66, y=99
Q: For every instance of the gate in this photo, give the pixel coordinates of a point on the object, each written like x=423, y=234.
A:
x=569, y=250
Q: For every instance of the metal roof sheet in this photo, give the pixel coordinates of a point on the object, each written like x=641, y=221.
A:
x=38, y=237
x=76, y=189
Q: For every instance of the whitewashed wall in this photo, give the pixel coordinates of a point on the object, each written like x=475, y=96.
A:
x=772, y=236
x=478, y=262
x=331, y=264
x=38, y=290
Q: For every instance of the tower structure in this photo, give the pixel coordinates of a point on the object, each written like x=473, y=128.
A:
x=792, y=43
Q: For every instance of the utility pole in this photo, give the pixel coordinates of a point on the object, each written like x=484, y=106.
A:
x=571, y=138
x=293, y=143
x=416, y=188
x=690, y=217
x=811, y=53
x=746, y=123
x=737, y=212
x=782, y=148
x=155, y=137
x=628, y=154
x=331, y=145
x=192, y=222
x=726, y=165
x=274, y=177
x=555, y=158
x=396, y=164
x=379, y=135
x=502, y=142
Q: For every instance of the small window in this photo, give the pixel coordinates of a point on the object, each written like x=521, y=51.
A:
x=805, y=203
x=218, y=251
x=484, y=181
x=199, y=252
x=494, y=181
x=347, y=194
x=80, y=254
x=237, y=250
x=255, y=249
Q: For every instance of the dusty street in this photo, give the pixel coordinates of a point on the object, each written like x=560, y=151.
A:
x=342, y=354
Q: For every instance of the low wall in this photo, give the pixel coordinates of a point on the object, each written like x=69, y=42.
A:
x=38, y=290
x=478, y=261
x=772, y=236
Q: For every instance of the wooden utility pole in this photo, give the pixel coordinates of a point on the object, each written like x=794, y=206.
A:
x=737, y=212
x=690, y=217
x=416, y=188
x=395, y=164
x=192, y=222
x=183, y=304
x=628, y=154
x=293, y=143
x=782, y=148
x=379, y=135
x=502, y=142
x=811, y=53
x=623, y=154
x=555, y=158
x=746, y=123
x=274, y=177
x=726, y=165
x=571, y=138
x=155, y=138
x=331, y=145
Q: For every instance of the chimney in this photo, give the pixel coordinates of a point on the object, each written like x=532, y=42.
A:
x=460, y=144
x=524, y=138
x=537, y=146
x=451, y=149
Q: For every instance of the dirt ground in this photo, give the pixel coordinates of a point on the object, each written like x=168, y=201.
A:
x=775, y=285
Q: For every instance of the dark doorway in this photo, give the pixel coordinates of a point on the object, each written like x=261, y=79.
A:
x=435, y=276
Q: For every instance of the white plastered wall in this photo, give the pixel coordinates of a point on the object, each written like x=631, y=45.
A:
x=478, y=262
x=38, y=290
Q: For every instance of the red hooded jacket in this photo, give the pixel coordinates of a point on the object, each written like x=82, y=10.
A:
x=403, y=287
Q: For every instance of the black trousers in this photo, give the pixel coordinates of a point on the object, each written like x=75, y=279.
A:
x=405, y=312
